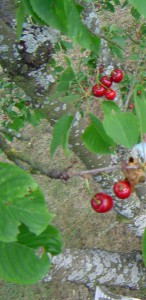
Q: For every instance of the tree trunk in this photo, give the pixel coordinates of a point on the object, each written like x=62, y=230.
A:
x=98, y=267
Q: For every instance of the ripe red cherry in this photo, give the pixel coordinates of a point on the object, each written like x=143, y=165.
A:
x=107, y=81
x=101, y=202
x=131, y=106
x=116, y=75
x=138, y=92
x=27, y=103
x=110, y=94
x=98, y=90
x=122, y=189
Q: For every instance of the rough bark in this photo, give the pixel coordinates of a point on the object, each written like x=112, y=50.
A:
x=7, y=11
x=98, y=267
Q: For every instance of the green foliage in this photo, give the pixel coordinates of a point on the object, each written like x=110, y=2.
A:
x=144, y=246
x=140, y=6
x=20, y=16
x=135, y=14
x=61, y=133
x=35, y=116
x=95, y=138
x=122, y=128
x=24, y=227
x=23, y=216
x=49, y=239
x=21, y=201
x=61, y=15
x=65, y=80
x=69, y=99
x=108, y=107
x=140, y=107
x=116, y=51
x=20, y=264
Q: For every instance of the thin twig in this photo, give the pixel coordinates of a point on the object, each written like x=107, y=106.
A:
x=93, y=171
x=36, y=167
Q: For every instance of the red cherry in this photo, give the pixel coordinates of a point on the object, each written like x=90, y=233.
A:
x=116, y=75
x=122, y=189
x=106, y=81
x=138, y=93
x=131, y=106
x=27, y=103
x=110, y=94
x=98, y=90
x=101, y=68
x=101, y=202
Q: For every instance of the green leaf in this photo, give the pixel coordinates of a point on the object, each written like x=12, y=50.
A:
x=65, y=16
x=108, y=107
x=68, y=61
x=139, y=5
x=69, y=99
x=21, y=201
x=35, y=117
x=134, y=56
x=61, y=133
x=119, y=40
x=122, y=128
x=124, y=4
x=17, y=124
x=116, y=51
x=144, y=246
x=20, y=264
x=65, y=80
x=140, y=107
x=109, y=6
x=29, y=11
x=135, y=14
x=66, y=45
x=95, y=138
x=20, y=16
x=117, y=2
x=49, y=239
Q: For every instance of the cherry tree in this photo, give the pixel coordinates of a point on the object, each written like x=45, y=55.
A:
x=112, y=143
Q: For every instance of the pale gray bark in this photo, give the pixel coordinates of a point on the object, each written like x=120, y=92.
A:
x=7, y=11
x=98, y=267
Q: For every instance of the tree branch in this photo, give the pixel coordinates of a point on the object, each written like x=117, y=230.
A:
x=95, y=266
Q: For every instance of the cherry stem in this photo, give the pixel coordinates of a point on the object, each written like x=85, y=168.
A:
x=120, y=187
x=98, y=201
x=103, y=85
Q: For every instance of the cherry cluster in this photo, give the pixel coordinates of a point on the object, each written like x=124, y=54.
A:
x=102, y=202
x=103, y=87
